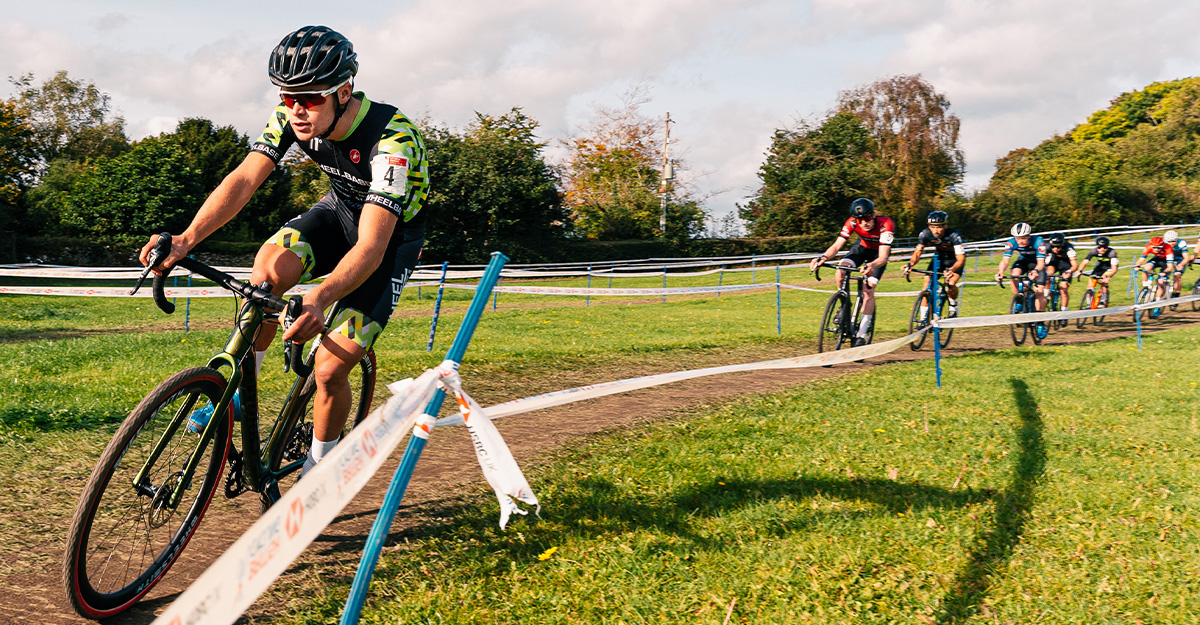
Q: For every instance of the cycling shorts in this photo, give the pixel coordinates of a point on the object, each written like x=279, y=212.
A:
x=860, y=255
x=1061, y=266
x=943, y=263
x=1027, y=265
x=316, y=237
x=1099, y=272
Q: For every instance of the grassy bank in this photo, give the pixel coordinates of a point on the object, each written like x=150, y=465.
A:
x=1037, y=486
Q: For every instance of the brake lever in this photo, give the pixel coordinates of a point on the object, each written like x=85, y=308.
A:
x=162, y=248
x=293, y=351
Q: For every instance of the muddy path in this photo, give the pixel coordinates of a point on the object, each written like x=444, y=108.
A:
x=31, y=587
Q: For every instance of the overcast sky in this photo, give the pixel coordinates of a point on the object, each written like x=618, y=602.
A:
x=729, y=72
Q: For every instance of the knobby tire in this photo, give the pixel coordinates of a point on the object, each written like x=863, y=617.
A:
x=123, y=538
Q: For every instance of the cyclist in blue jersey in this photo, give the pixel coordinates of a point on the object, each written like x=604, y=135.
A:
x=366, y=233
x=1183, y=257
x=1031, y=261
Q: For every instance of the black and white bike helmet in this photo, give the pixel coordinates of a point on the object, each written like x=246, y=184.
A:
x=1021, y=229
x=937, y=218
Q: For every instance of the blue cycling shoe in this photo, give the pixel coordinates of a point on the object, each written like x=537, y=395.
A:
x=198, y=420
x=1041, y=331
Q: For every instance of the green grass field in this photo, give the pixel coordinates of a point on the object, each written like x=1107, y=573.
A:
x=1048, y=480
x=1050, y=486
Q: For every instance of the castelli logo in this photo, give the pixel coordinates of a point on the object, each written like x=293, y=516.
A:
x=355, y=156
x=295, y=518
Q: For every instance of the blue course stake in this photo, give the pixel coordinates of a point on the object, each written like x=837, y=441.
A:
x=588, y=301
x=664, y=284
x=437, y=307
x=752, y=270
x=416, y=444
x=937, y=332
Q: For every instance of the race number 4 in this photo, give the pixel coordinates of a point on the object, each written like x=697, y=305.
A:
x=389, y=173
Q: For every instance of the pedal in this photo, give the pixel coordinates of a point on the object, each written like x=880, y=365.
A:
x=235, y=478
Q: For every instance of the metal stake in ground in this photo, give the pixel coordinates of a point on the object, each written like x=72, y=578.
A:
x=437, y=306
x=416, y=444
x=934, y=310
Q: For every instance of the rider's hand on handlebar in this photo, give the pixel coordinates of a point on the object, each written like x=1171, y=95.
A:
x=816, y=262
x=308, y=324
x=179, y=249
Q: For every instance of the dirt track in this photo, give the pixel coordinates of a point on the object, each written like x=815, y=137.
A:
x=448, y=470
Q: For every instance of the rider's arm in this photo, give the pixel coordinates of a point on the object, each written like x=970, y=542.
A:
x=885, y=252
x=830, y=253
x=960, y=259
x=222, y=205
x=916, y=257
x=375, y=227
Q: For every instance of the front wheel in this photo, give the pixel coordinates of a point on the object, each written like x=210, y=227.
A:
x=288, y=450
x=128, y=529
x=832, y=333
x=1085, y=303
x=919, y=320
x=1018, y=330
x=944, y=333
x=1143, y=296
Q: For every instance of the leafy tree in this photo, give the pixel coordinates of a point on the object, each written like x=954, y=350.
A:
x=811, y=175
x=215, y=151
x=916, y=140
x=612, y=182
x=151, y=188
x=70, y=119
x=492, y=190
x=16, y=160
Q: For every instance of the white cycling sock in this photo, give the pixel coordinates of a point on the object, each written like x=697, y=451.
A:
x=258, y=360
x=865, y=326
x=317, y=452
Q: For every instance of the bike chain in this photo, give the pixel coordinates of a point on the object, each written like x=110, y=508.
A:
x=235, y=479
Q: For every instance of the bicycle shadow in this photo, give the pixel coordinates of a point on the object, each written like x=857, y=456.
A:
x=1013, y=509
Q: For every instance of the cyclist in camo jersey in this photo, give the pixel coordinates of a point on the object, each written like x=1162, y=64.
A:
x=366, y=233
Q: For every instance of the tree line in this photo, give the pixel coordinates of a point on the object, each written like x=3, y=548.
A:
x=67, y=169
x=896, y=141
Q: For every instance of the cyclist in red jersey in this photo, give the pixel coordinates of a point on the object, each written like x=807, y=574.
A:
x=1156, y=255
x=871, y=252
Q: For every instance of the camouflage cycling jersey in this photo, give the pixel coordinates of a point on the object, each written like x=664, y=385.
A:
x=381, y=161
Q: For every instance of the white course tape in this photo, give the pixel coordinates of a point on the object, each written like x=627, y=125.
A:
x=558, y=398
x=499, y=467
x=242, y=573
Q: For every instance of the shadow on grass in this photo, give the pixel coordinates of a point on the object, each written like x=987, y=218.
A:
x=1013, y=509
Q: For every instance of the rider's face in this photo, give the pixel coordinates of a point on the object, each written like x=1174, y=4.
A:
x=314, y=119
x=937, y=229
x=1023, y=241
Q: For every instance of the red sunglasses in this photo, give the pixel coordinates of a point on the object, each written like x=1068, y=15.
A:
x=307, y=99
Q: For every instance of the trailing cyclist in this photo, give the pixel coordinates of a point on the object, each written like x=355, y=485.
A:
x=871, y=251
x=949, y=251
x=1106, y=265
x=1183, y=257
x=366, y=233
x=1156, y=255
x=1061, y=259
x=1031, y=261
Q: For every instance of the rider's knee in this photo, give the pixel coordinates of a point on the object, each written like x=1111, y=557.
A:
x=276, y=265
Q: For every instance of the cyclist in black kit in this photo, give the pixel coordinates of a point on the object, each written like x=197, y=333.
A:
x=952, y=256
x=366, y=233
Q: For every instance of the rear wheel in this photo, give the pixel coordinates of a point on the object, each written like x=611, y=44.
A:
x=918, y=320
x=1196, y=291
x=126, y=531
x=944, y=334
x=1018, y=330
x=1085, y=303
x=830, y=337
x=296, y=427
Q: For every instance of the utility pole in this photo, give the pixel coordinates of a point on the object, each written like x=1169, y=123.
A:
x=668, y=175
